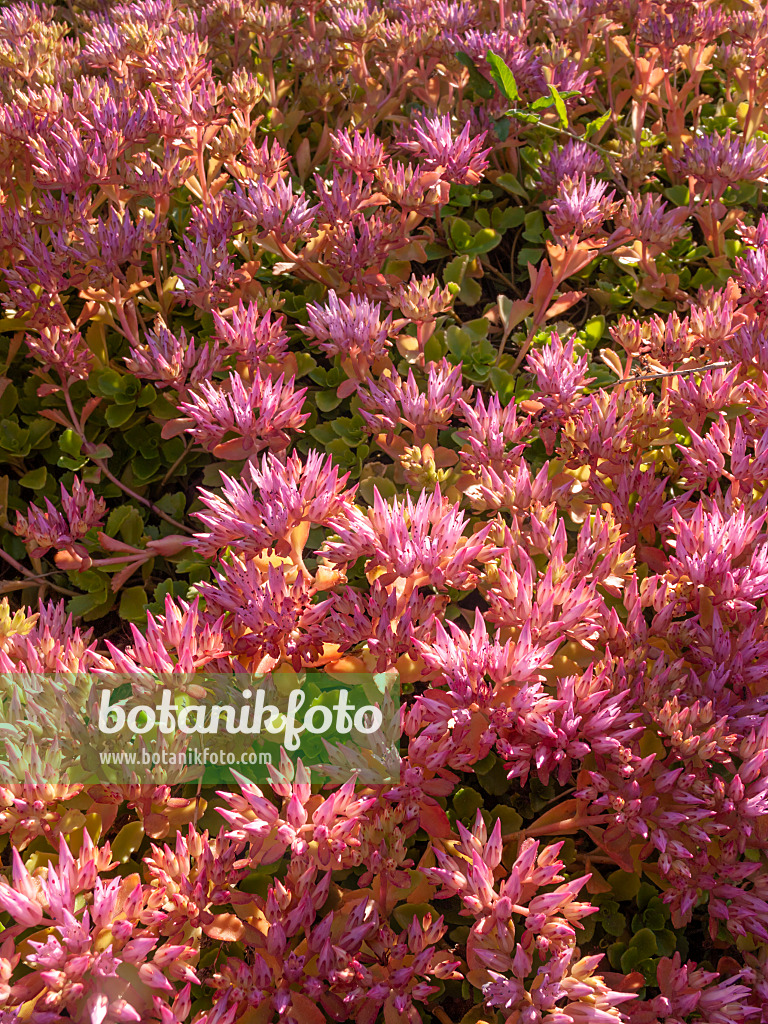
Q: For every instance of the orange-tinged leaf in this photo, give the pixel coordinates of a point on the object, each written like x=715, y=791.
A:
x=172, y=428
x=343, y=666
x=225, y=928
x=394, y=446
x=308, y=1012
x=434, y=821
x=237, y=448
x=516, y=312
x=422, y=890
x=563, y=303
x=346, y=388
x=408, y=669
x=478, y=977
x=653, y=557
x=156, y=825
x=445, y=457
x=258, y=1014
x=531, y=407
x=596, y=883
x=560, y=812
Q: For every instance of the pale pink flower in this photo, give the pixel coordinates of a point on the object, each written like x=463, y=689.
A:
x=570, y=161
x=580, y=209
x=63, y=351
x=421, y=299
x=649, y=221
x=171, y=360
x=392, y=401
x=356, y=151
x=182, y=640
x=250, y=335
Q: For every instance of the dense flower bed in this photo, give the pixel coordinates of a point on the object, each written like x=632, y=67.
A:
x=411, y=334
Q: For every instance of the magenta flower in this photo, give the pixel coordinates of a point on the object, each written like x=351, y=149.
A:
x=460, y=160
x=251, y=335
x=422, y=540
x=260, y=416
x=570, y=161
x=547, y=927
x=716, y=315
x=41, y=531
x=350, y=327
x=512, y=489
x=718, y=161
x=380, y=622
x=714, y=391
x=289, y=494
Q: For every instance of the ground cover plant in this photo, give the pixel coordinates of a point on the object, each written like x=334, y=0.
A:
x=417, y=335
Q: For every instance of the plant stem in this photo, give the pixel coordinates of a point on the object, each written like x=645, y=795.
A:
x=556, y=828
x=88, y=448
x=132, y=494
x=177, y=463
x=32, y=577
x=524, y=350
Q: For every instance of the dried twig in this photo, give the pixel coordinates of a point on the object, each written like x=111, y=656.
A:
x=670, y=373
